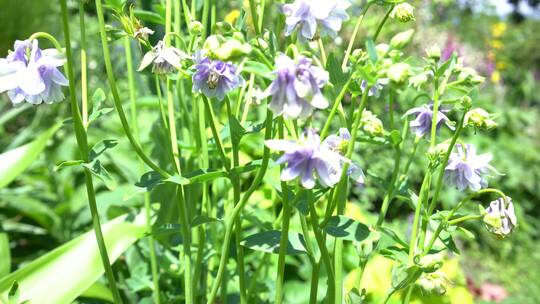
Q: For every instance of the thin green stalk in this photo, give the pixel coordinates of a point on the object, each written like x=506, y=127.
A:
x=253, y=283
x=381, y=24
x=235, y=179
x=411, y=156
x=231, y=219
x=335, y=107
x=254, y=16
x=84, y=65
x=314, y=282
x=392, y=185
x=116, y=96
x=82, y=143
x=353, y=37
x=284, y=232
x=215, y=133
x=341, y=197
x=424, y=190
x=325, y=256
x=205, y=15
x=323, y=52
x=261, y=14
x=148, y=211
x=465, y=218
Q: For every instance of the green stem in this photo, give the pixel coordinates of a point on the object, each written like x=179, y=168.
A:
x=335, y=107
x=381, y=24
x=230, y=221
x=424, y=191
x=116, y=96
x=215, y=133
x=314, y=282
x=353, y=37
x=323, y=52
x=148, y=211
x=284, y=232
x=82, y=143
x=84, y=80
x=465, y=218
x=325, y=256
x=254, y=16
x=411, y=156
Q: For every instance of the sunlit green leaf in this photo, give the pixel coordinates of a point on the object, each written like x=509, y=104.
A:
x=268, y=241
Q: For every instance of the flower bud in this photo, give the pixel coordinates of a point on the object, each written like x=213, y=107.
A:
x=438, y=152
x=500, y=218
x=403, y=12
x=232, y=49
x=398, y=72
x=417, y=81
x=470, y=76
x=371, y=124
x=196, y=28
x=223, y=27
x=434, y=52
x=382, y=49
x=435, y=282
x=400, y=40
x=480, y=119
x=466, y=102
x=429, y=263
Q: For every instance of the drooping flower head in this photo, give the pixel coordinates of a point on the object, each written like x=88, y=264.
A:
x=31, y=74
x=424, y=116
x=215, y=78
x=466, y=169
x=339, y=143
x=376, y=89
x=297, y=87
x=164, y=59
x=500, y=218
x=308, y=14
x=309, y=159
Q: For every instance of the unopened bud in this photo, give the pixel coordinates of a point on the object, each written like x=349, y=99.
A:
x=371, y=124
x=400, y=40
x=403, y=12
x=398, y=72
x=479, y=118
x=435, y=282
x=434, y=52
x=470, y=76
x=223, y=27
x=195, y=28
x=466, y=102
x=417, y=81
x=429, y=263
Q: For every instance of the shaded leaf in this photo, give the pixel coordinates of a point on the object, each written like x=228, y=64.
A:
x=268, y=241
x=100, y=172
x=346, y=228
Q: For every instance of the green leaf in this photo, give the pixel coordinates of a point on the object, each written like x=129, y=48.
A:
x=100, y=172
x=337, y=77
x=203, y=219
x=268, y=241
x=98, y=291
x=5, y=253
x=403, y=276
x=100, y=148
x=370, y=47
x=97, y=111
x=14, y=293
x=63, y=274
x=14, y=162
x=236, y=131
x=176, y=179
x=149, y=16
x=346, y=228
x=258, y=69
x=67, y=163
x=395, y=137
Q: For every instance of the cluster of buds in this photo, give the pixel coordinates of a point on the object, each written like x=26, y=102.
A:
x=479, y=119
x=429, y=263
x=418, y=80
x=398, y=72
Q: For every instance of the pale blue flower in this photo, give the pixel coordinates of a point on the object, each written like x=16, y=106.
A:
x=311, y=160
x=466, y=169
x=296, y=91
x=424, y=117
x=33, y=78
x=308, y=14
x=215, y=78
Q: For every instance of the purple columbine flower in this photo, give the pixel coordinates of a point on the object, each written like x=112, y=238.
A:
x=376, y=89
x=215, y=78
x=307, y=14
x=34, y=77
x=424, y=116
x=164, y=59
x=309, y=159
x=466, y=169
x=500, y=218
x=297, y=87
x=338, y=143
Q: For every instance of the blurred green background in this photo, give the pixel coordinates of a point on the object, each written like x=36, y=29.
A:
x=43, y=209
